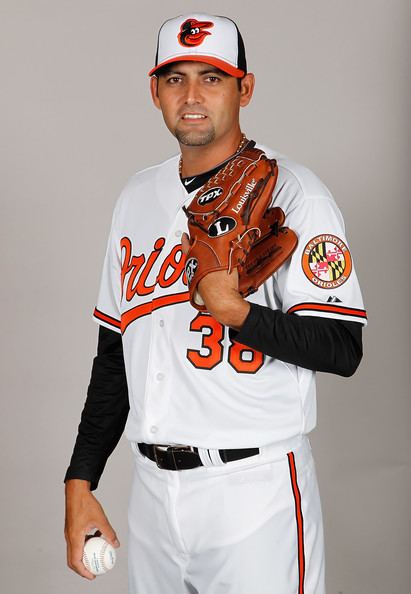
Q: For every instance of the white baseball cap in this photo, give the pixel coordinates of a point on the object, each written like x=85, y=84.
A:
x=200, y=37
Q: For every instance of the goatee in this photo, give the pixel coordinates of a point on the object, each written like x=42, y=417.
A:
x=194, y=138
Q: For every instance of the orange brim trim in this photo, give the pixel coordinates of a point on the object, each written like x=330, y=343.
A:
x=224, y=66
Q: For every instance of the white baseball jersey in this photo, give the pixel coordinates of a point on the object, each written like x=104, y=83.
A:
x=188, y=383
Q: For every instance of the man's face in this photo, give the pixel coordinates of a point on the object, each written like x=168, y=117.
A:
x=199, y=102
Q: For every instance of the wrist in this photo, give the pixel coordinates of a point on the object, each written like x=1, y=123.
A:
x=232, y=312
x=77, y=485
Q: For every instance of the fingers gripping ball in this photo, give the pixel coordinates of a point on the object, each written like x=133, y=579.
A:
x=99, y=556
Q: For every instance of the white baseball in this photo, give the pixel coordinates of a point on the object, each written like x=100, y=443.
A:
x=99, y=556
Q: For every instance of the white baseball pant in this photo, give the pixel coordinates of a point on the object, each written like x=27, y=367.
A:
x=251, y=526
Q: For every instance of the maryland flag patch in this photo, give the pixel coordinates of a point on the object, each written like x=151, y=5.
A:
x=326, y=261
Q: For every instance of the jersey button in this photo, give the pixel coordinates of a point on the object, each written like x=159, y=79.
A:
x=153, y=429
x=160, y=376
x=178, y=233
x=161, y=322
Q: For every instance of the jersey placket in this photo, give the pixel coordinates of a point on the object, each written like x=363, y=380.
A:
x=157, y=393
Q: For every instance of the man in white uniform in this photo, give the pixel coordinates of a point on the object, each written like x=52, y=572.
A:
x=219, y=404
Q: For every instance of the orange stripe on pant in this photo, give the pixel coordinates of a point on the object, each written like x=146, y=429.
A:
x=299, y=521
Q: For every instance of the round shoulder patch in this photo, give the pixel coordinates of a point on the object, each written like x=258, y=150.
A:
x=326, y=261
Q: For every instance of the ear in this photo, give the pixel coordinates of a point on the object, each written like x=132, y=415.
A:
x=247, y=89
x=154, y=91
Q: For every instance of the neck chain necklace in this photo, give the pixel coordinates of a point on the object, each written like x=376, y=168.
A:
x=238, y=149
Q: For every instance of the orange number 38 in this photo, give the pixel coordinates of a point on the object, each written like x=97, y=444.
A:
x=242, y=358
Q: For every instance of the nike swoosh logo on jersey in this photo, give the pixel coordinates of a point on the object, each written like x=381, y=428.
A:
x=188, y=181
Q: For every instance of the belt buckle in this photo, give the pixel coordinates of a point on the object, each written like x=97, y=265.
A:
x=171, y=449
x=179, y=448
x=155, y=449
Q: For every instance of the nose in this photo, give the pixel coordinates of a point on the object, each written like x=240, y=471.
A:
x=193, y=92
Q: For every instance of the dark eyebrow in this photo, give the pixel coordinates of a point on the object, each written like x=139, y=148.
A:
x=214, y=70
x=208, y=70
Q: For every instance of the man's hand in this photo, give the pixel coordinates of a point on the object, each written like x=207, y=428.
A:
x=83, y=514
x=219, y=291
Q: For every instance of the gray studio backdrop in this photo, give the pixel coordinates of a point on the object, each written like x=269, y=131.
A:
x=333, y=92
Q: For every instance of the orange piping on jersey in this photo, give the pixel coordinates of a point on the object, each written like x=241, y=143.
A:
x=146, y=308
x=345, y=311
x=299, y=520
x=105, y=318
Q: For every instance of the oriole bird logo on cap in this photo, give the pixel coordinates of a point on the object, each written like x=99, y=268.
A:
x=192, y=32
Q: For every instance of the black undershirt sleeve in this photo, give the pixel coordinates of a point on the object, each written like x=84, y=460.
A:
x=313, y=342
x=105, y=411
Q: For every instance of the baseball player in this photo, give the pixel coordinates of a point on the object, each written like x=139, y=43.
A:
x=217, y=404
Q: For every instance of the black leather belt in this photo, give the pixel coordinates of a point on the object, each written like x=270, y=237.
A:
x=185, y=457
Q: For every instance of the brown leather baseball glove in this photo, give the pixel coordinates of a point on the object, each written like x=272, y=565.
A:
x=270, y=251
x=231, y=225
